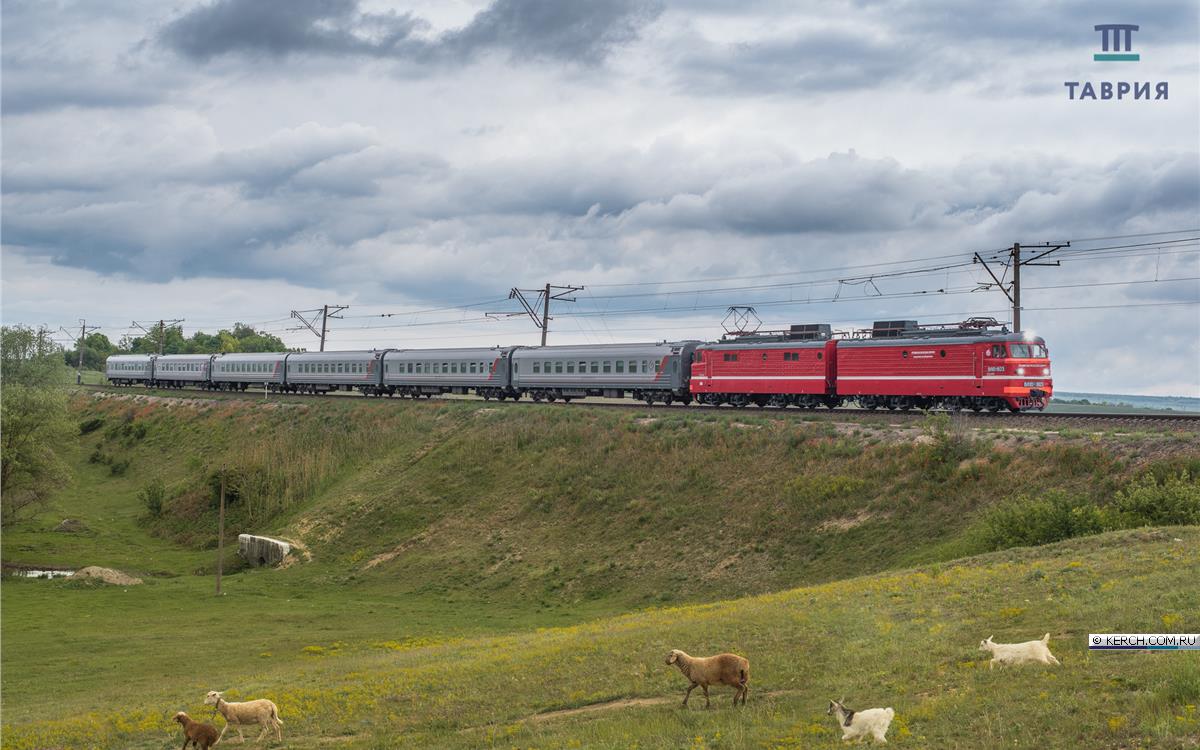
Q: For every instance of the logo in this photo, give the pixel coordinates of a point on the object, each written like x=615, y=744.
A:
x=1116, y=45
x=1115, y=33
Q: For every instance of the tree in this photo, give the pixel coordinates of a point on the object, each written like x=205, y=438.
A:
x=29, y=356
x=34, y=422
x=96, y=349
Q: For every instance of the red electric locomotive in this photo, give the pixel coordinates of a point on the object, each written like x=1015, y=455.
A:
x=902, y=365
x=894, y=365
x=787, y=368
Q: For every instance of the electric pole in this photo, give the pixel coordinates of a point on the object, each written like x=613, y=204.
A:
x=1012, y=289
x=544, y=295
x=325, y=312
x=162, y=330
x=84, y=330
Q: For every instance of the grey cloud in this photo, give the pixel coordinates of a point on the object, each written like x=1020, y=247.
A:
x=282, y=27
x=524, y=29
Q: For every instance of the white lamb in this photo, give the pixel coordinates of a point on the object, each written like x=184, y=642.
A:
x=873, y=722
x=262, y=712
x=1016, y=653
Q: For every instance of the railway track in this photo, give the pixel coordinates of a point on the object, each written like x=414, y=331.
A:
x=1023, y=420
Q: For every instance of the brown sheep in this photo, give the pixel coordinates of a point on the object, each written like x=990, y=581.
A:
x=201, y=735
x=722, y=669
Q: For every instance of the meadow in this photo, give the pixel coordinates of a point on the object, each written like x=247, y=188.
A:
x=484, y=567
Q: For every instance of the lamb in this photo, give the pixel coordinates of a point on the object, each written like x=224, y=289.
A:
x=201, y=735
x=859, y=724
x=1016, y=653
x=722, y=669
x=262, y=712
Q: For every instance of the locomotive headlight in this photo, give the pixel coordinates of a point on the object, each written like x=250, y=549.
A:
x=1020, y=370
x=1045, y=370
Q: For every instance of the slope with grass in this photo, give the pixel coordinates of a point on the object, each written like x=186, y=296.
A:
x=906, y=639
x=442, y=532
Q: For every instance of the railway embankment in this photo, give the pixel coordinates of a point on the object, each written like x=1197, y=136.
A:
x=450, y=546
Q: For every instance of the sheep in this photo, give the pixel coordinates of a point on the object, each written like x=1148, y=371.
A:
x=262, y=712
x=722, y=669
x=201, y=735
x=860, y=724
x=1016, y=653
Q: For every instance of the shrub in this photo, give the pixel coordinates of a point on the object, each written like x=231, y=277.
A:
x=153, y=496
x=1056, y=516
x=90, y=425
x=118, y=468
x=1148, y=502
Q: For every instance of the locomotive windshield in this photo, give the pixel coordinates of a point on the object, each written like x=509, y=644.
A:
x=1027, y=351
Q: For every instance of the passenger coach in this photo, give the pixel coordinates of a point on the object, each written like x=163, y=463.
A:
x=649, y=372
x=128, y=369
x=427, y=372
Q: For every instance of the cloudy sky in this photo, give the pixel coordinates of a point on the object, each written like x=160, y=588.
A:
x=235, y=160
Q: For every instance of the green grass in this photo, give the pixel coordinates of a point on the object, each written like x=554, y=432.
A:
x=492, y=523
x=906, y=639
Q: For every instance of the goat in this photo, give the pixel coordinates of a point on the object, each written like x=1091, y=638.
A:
x=860, y=724
x=1016, y=653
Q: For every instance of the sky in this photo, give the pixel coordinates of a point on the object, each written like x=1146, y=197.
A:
x=236, y=160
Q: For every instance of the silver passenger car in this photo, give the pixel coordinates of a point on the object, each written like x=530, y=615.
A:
x=426, y=372
x=237, y=372
x=178, y=370
x=321, y=372
x=649, y=372
x=127, y=369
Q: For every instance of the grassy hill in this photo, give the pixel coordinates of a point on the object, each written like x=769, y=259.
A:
x=905, y=639
x=446, y=537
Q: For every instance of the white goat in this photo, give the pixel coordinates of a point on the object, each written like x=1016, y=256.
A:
x=1016, y=653
x=262, y=712
x=859, y=724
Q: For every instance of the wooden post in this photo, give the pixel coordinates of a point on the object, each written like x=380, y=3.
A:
x=221, y=534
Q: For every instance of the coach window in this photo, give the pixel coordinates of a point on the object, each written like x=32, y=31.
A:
x=632, y=365
x=570, y=368
x=582, y=367
x=545, y=368
x=537, y=368
x=595, y=366
x=621, y=366
x=645, y=366
x=558, y=367
x=607, y=367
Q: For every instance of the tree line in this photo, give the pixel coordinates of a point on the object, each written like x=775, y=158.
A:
x=242, y=338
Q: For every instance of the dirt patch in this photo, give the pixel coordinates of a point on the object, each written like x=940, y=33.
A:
x=298, y=547
x=846, y=522
x=645, y=420
x=721, y=567
x=71, y=526
x=623, y=703
x=106, y=575
x=395, y=552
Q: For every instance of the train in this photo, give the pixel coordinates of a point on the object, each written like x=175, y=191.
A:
x=977, y=364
